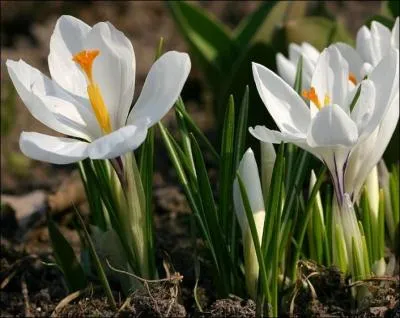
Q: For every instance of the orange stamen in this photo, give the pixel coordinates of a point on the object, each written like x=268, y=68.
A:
x=352, y=78
x=312, y=96
x=85, y=60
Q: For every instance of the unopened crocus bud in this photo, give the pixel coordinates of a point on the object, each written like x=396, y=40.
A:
x=268, y=157
x=248, y=172
x=372, y=188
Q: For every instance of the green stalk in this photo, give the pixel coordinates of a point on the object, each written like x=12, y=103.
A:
x=99, y=267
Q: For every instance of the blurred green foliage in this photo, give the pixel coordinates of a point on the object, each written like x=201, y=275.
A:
x=225, y=56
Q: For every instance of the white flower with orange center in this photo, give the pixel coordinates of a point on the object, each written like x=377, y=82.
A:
x=337, y=118
x=371, y=46
x=90, y=93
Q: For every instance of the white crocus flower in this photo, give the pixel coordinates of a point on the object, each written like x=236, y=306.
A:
x=287, y=66
x=248, y=172
x=371, y=46
x=89, y=95
x=329, y=126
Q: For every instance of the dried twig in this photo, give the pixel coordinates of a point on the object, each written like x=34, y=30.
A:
x=174, y=277
x=25, y=294
x=373, y=279
x=14, y=268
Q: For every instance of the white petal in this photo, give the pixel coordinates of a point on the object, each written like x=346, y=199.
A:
x=331, y=126
x=50, y=104
x=381, y=37
x=161, y=89
x=286, y=69
x=249, y=174
x=310, y=52
x=113, y=145
x=113, y=70
x=285, y=106
x=364, y=108
x=68, y=38
x=385, y=77
x=367, y=154
x=364, y=45
x=395, y=34
x=353, y=59
x=57, y=150
x=273, y=136
x=294, y=52
x=264, y=134
x=330, y=79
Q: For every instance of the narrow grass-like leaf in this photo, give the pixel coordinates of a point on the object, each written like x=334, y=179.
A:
x=241, y=128
x=250, y=25
x=66, y=258
x=226, y=168
x=191, y=125
x=100, y=270
x=210, y=213
x=309, y=209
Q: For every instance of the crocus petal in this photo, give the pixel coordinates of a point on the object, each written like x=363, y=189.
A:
x=363, y=110
x=331, y=126
x=68, y=38
x=294, y=52
x=286, y=69
x=364, y=45
x=50, y=104
x=113, y=69
x=368, y=153
x=286, y=107
x=57, y=150
x=311, y=52
x=353, y=59
x=395, y=35
x=385, y=78
x=113, y=145
x=249, y=174
x=161, y=89
x=380, y=40
x=330, y=79
x=264, y=134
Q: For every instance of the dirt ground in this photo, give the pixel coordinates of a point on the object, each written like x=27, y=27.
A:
x=29, y=284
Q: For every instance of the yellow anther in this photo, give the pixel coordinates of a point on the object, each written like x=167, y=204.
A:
x=352, y=78
x=327, y=100
x=85, y=60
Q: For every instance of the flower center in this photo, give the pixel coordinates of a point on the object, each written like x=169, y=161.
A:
x=312, y=96
x=352, y=78
x=85, y=60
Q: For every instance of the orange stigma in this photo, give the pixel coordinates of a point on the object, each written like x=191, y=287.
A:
x=85, y=60
x=352, y=78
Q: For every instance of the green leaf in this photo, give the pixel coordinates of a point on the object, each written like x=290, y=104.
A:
x=66, y=259
x=208, y=39
x=191, y=125
x=317, y=31
x=394, y=8
x=387, y=22
x=250, y=25
x=241, y=128
x=97, y=263
x=226, y=168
